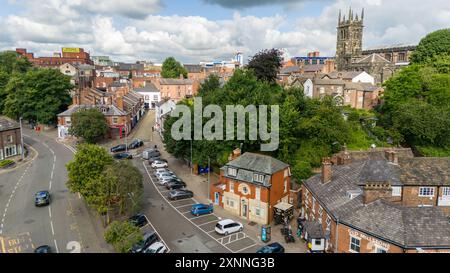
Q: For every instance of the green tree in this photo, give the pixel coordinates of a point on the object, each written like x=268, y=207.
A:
x=211, y=84
x=88, y=165
x=122, y=235
x=266, y=64
x=173, y=69
x=435, y=43
x=38, y=95
x=11, y=62
x=90, y=124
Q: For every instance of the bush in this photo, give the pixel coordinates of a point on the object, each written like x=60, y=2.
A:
x=6, y=163
x=122, y=235
x=301, y=170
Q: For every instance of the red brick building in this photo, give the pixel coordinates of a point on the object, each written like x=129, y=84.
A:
x=379, y=201
x=251, y=185
x=75, y=56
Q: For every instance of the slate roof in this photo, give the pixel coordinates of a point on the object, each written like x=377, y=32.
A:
x=175, y=81
x=313, y=67
x=329, y=82
x=8, y=124
x=314, y=229
x=290, y=69
x=112, y=110
x=401, y=225
x=193, y=68
x=343, y=74
x=372, y=58
x=149, y=87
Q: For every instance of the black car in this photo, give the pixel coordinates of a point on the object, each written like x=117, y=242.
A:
x=272, y=248
x=175, y=185
x=136, y=144
x=42, y=198
x=119, y=148
x=138, y=220
x=123, y=156
x=43, y=249
x=149, y=238
x=180, y=194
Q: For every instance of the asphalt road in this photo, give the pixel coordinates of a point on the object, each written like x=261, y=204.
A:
x=24, y=226
x=181, y=235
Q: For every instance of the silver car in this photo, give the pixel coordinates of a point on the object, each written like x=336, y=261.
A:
x=165, y=175
x=162, y=170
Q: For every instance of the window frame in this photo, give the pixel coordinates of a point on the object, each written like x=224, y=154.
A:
x=423, y=191
x=352, y=243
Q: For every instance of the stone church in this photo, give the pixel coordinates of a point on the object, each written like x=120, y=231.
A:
x=380, y=62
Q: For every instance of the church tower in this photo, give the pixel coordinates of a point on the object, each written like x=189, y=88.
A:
x=349, y=39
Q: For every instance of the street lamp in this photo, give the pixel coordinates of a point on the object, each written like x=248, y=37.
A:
x=21, y=138
x=209, y=179
x=191, y=158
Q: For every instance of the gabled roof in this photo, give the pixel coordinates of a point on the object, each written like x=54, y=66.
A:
x=149, y=87
x=112, y=110
x=343, y=74
x=373, y=58
x=258, y=163
x=8, y=124
x=193, y=68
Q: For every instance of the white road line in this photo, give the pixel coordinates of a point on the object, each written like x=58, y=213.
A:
x=207, y=223
x=50, y=212
x=56, y=246
x=201, y=216
x=184, y=206
x=53, y=230
x=179, y=211
x=160, y=237
x=242, y=249
x=180, y=199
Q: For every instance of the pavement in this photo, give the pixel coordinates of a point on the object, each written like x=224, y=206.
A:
x=65, y=225
x=163, y=213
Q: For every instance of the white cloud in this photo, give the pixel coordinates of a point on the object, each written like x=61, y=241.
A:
x=48, y=25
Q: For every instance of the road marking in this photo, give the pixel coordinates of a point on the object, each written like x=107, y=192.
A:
x=51, y=225
x=184, y=206
x=214, y=221
x=2, y=241
x=242, y=249
x=56, y=246
x=50, y=212
x=148, y=173
x=160, y=237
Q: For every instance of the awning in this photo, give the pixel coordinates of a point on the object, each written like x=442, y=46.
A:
x=283, y=206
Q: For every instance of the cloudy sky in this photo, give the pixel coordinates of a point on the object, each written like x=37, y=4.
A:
x=203, y=30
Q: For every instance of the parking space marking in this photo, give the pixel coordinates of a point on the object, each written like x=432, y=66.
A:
x=157, y=233
x=188, y=205
x=214, y=221
x=245, y=248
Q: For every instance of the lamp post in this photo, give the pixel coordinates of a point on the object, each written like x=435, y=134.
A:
x=209, y=179
x=21, y=138
x=191, y=158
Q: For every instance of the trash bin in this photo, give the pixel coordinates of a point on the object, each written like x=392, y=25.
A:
x=266, y=232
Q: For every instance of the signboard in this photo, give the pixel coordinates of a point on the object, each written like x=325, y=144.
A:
x=70, y=50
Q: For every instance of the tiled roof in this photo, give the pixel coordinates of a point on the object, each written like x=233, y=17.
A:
x=343, y=74
x=290, y=69
x=193, y=68
x=7, y=124
x=149, y=87
x=372, y=58
x=175, y=81
x=258, y=163
x=313, y=67
x=112, y=110
x=329, y=82
x=405, y=226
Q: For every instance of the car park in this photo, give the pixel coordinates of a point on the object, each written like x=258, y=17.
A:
x=201, y=209
x=136, y=143
x=42, y=198
x=149, y=238
x=228, y=226
x=119, y=148
x=157, y=247
x=175, y=185
x=123, y=156
x=159, y=164
x=180, y=194
x=138, y=220
x=43, y=249
x=271, y=248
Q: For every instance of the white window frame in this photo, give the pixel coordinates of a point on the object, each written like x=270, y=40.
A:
x=258, y=193
x=285, y=186
x=351, y=243
x=445, y=191
x=232, y=172
x=231, y=186
x=377, y=247
x=115, y=120
x=396, y=191
x=426, y=191
x=258, y=211
x=258, y=178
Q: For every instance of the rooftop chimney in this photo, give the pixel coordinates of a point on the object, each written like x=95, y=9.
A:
x=326, y=170
x=376, y=190
x=392, y=156
x=181, y=77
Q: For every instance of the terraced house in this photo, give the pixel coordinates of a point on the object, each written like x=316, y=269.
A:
x=251, y=185
x=379, y=201
x=10, y=141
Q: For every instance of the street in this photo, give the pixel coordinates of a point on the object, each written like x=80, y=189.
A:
x=24, y=226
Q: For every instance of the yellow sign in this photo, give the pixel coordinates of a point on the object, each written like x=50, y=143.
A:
x=70, y=50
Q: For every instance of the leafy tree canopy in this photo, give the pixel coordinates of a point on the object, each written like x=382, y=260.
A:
x=90, y=124
x=122, y=235
x=266, y=64
x=173, y=69
x=435, y=43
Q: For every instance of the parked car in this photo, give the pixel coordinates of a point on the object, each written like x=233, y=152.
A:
x=136, y=143
x=119, y=148
x=42, y=198
x=162, y=170
x=175, y=185
x=149, y=153
x=123, y=156
x=159, y=164
x=157, y=247
x=271, y=248
x=43, y=249
x=161, y=176
x=228, y=226
x=180, y=194
x=201, y=209
x=156, y=158
x=138, y=220
x=149, y=238
x=165, y=180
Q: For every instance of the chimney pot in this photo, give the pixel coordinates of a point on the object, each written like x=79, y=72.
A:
x=326, y=170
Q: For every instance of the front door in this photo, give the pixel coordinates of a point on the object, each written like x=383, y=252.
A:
x=216, y=198
x=244, y=210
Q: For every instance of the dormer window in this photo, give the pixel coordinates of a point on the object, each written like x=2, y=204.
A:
x=232, y=172
x=258, y=178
